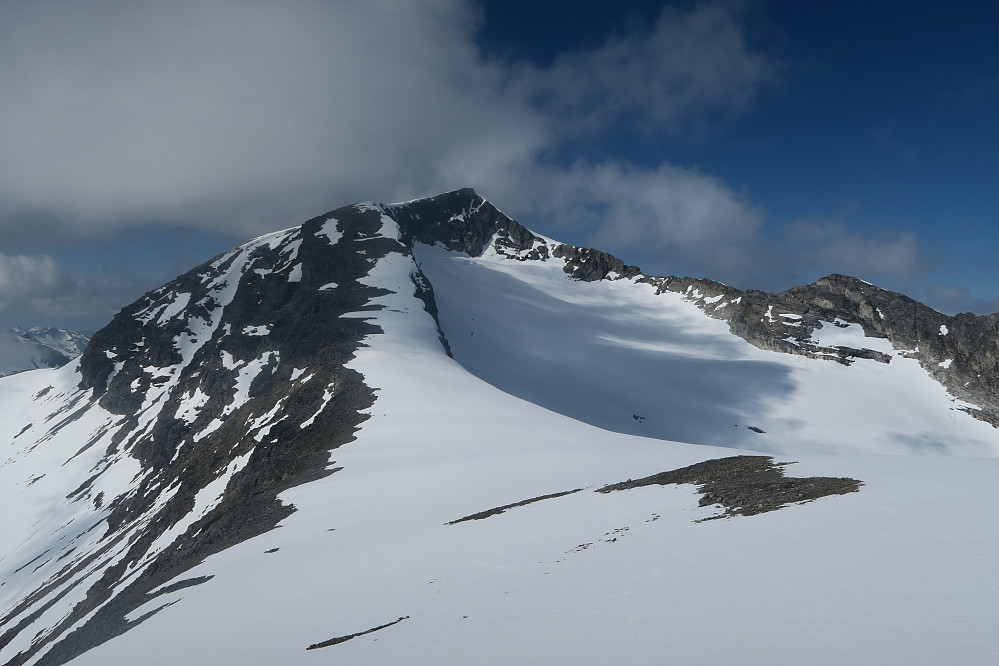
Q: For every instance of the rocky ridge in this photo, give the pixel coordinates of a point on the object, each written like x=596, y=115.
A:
x=961, y=352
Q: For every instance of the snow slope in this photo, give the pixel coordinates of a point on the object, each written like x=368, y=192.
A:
x=605, y=352
x=541, y=400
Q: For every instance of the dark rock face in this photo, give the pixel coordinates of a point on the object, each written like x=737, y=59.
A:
x=462, y=221
x=350, y=637
x=589, y=265
x=745, y=485
x=481, y=515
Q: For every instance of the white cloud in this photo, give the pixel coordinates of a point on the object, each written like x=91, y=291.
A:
x=250, y=115
x=689, y=63
x=23, y=278
x=246, y=116
x=666, y=219
x=234, y=113
x=828, y=245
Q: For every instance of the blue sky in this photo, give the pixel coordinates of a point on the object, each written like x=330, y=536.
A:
x=764, y=144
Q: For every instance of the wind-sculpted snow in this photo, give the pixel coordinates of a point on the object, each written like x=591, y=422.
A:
x=146, y=480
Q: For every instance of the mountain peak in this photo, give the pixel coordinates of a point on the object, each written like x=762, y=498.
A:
x=208, y=413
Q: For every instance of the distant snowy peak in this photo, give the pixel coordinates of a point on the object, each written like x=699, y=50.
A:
x=38, y=347
x=62, y=340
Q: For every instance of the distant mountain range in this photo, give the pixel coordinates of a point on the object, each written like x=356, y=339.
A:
x=38, y=347
x=421, y=433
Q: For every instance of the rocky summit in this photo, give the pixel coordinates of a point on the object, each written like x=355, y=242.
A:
x=292, y=449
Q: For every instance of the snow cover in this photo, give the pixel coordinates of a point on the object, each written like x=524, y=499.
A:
x=45, y=458
x=193, y=402
x=327, y=396
x=606, y=352
x=329, y=230
x=540, y=397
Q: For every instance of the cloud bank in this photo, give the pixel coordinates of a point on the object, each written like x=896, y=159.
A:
x=38, y=290
x=244, y=117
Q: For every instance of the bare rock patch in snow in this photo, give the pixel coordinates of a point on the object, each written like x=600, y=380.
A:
x=500, y=509
x=745, y=485
x=344, y=639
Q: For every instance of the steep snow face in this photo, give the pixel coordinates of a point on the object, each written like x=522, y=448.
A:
x=583, y=578
x=615, y=354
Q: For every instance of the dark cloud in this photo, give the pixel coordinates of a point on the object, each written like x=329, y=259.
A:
x=35, y=289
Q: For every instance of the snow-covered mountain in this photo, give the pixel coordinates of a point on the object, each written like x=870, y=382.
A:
x=420, y=433
x=38, y=347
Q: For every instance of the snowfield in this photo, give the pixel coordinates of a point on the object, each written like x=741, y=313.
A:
x=604, y=352
x=557, y=385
